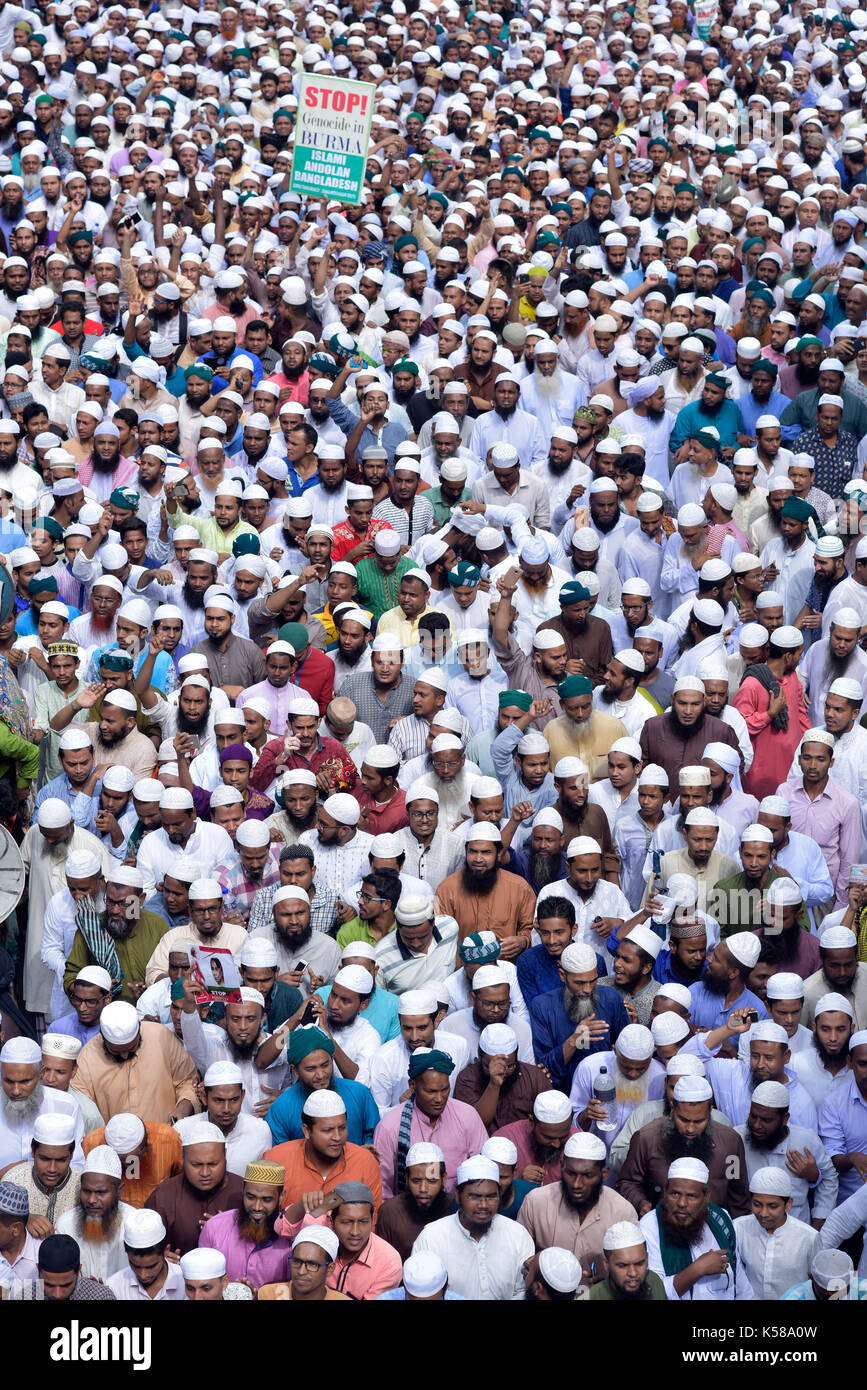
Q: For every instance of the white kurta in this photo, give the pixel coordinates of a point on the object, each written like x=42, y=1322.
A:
x=46, y=874
x=775, y=1261
x=711, y=1288
x=483, y=1270
x=102, y=1260
x=465, y=1026
x=16, y=1136
x=127, y=1289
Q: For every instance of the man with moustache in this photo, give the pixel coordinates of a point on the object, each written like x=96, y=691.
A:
x=575, y=1212
x=481, y=894
x=824, y=1064
x=97, y=1221
x=292, y=933
x=629, y=1278
x=204, y=1187
x=678, y=738
x=116, y=933
x=687, y=1132
x=114, y=734
x=24, y=1100
x=577, y=1017
x=247, y=1235
x=238, y=1042
x=691, y=1242
x=403, y=1217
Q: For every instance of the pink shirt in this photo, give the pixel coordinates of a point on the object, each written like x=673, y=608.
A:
x=376, y=1269
x=459, y=1133
x=261, y=1264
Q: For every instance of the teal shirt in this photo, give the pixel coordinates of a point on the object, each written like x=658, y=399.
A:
x=728, y=422
x=381, y=1012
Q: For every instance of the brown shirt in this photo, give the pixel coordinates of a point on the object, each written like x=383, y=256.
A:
x=515, y=1102
x=592, y=644
x=646, y=1165
x=661, y=743
x=182, y=1207
x=484, y=387
x=507, y=911
x=400, y=1221
x=550, y=1220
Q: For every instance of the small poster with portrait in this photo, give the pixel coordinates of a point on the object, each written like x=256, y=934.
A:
x=216, y=974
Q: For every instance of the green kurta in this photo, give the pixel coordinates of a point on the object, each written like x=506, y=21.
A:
x=133, y=954
x=603, y=1292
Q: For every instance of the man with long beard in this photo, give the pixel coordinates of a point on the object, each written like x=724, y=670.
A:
x=678, y=737
x=574, y=1212
x=24, y=1099
x=769, y=1139
x=551, y=394
x=239, y=1042
x=188, y=595
x=292, y=933
x=115, y=932
x=482, y=895
x=577, y=1017
x=629, y=1279
x=691, y=1242
x=836, y=656
x=105, y=468
x=114, y=735
x=97, y=1221
x=247, y=1235
x=687, y=1132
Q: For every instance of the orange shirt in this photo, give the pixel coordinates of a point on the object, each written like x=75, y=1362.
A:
x=283, y=1293
x=357, y=1165
x=162, y=1159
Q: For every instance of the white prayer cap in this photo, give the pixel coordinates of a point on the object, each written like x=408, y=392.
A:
x=635, y=1042
x=321, y=1105
x=650, y=776
x=424, y=1274
x=775, y=806
x=768, y=1031
x=252, y=996
x=668, y=1028
x=119, y=1023
x=21, y=1052
x=413, y=909
x=95, y=975
x=744, y=947
x=784, y=892
x=323, y=1236
x=848, y=689
x=343, y=808
x=482, y=787
x=833, y=1003
x=858, y=1039
x=570, y=767
x=142, y=1229
x=484, y=830
x=355, y=978
x=60, y=1045
x=71, y=740
x=691, y=1169
x=435, y=678
x=578, y=958
x=771, y=1182
x=684, y=1064
x=103, y=1159
x=702, y=815
x=582, y=844
x=480, y=1169
x=204, y=889
x=203, y=1132
x=124, y=1132
x=691, y=514
x=259, y=952
x=552, y=1107
x=848, y=617
x=761, y=833
x=54, y=1129
x=253, y=834
x=837, y=938
x=559, y=1268
x=53, y=814
x=586, y=1146
x=679, y=993
x=82, y=864
x=787, y=637
x=773, y=1094
x=424, y=1153
x=692, y=1090
x=204, y=1263
x=785, y=984
x=176, y=799
x=357, y=950
x=646, y=940
x=832, y=1269
x=548, y=816
x=501, y=1150
x=533, y=743
x=622, y=1236
x=414, y=1003
x=290, y=893
x=149, y=789
x=688, y=683
x=223, y=1074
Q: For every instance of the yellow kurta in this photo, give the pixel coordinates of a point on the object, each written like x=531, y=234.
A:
x=590, y=742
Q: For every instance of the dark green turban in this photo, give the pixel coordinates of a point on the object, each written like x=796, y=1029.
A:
x=42, y=584
x=246, y=544
x=573, y=592
x=463, y=573
x=430, y=1059
x=799, y=510
x=521, y=699
x=574, y=685
x=303, y=1041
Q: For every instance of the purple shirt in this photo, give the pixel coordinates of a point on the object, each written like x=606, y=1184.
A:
x=833, y=820
x=69, y=1025
x=261, y=1264
x=843, y=1129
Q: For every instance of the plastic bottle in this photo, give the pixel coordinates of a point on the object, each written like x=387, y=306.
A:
x=604, y=1091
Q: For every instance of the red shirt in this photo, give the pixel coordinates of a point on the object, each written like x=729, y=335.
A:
x=346, y=537
x=266, y=768
x=315, y=674
x=382, y=820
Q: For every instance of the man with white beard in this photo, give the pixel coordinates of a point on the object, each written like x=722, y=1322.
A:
x=834, y=656
x=44, y=852
x=551, y=394
x=636, y=1076
x=688, y=544
x=562, y=471
x=23, y=1099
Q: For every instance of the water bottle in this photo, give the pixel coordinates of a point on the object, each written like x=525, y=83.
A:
x=604, y=1091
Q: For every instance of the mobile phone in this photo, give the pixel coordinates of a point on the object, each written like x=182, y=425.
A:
x=752, y=1016
x=309, y=1014
x=300, y=965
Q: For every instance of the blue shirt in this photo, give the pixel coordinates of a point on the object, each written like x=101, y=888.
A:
x=503, y=751
x=538, y=972
x=751, y=410
x=70, y=1026
x=362, y=1112
x=727, y=421
x=156, y=903
x=663, y=972
x=710, y=1010
x=390, y=437
x=381, y=1012
x=61, y=788
x=552, y=1025
x=843, y=1129
x=25, y=625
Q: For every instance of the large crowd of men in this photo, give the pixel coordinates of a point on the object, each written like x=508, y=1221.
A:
x=432, y=654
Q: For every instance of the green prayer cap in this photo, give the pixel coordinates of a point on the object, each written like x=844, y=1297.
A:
x=753, y=241
x=574, y=685
x=475, y=950
x=80, y=235
x=539, y=133
x=42, y=584
x=658, y=140
x=126, y=498
x=303, y=1041
x=246, y=544
x=199, y=369
x=809, y=341
x=405, y=240
x=296, y=635
x=521, y=699
x=437, y=197
x=763, y=294
x=54, y=529
x=463, y=573
x=799, y=510
x=177, y=990
x=764, y=364
x=684, y=187
x=573, y=592
x=405, y=364
x=717, y=379
x=115, y=660
x=430, y=1059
